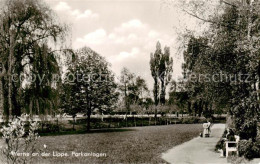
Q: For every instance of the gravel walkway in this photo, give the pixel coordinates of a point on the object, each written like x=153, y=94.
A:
x=198, y=150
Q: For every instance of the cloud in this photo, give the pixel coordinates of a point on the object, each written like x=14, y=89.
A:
x=64, y=9
x=62, y=6
x=133, y=33
x=128, y=45
x=136, y=60
x=85, y=14
x=153, y=34
x=96, y=37
x=125, y=55
x=135, y=23
x=127, y=33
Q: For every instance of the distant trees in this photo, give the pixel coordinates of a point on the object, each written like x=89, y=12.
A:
x=138, y=90
x=126, y=82
x=161, y=68
x=92, y=83
x=134, y=90
x=180, y=99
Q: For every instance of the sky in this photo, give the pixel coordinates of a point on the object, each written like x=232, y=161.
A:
x=125, y=32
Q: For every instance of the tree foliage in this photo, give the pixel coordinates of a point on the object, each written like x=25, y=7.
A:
x=161, y=68
x=92, y=83
x=230, y=50
x=26, y=29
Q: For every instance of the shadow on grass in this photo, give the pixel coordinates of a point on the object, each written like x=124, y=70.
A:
x=85, y=132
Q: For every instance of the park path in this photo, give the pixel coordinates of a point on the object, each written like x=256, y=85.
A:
x=198, y=150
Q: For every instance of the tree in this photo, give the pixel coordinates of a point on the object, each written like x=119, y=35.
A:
x=133, y=89
x=142, y=88
x=198, y=68
x=161, y=69
x=94, y=83
x=137, y=90
x=165, y=71
x=25, y=26
x=126, y=80
x=42, y=95
x=70, y=100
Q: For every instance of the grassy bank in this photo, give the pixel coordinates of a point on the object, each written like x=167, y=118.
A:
x=130, y=145
x=66, y=126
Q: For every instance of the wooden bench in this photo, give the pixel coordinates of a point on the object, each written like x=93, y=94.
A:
x=232, y=146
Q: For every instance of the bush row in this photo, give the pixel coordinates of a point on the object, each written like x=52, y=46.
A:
x=80, y=124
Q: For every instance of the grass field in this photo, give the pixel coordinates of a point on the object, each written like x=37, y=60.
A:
x=131, y=145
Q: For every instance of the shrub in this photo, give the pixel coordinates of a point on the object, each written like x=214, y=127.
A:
x=50, y=127
x=17, y=140
x=236, y=160
x=221, y=145
x=191, y=120
x=249, y=149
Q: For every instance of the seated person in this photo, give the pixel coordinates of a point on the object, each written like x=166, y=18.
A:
x=230, y=135
x=206, y=130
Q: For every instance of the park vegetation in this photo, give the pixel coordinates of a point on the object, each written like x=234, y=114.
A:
x=229, y=47
x=87, y=86
x=222, y=67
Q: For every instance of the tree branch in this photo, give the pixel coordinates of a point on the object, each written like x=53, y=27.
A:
x=209, y=21
x=228, y=3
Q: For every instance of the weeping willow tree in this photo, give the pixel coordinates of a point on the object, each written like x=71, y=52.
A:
x=41, y=94
x=27, y=31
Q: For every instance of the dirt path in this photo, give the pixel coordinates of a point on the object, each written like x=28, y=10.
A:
x=198, y=150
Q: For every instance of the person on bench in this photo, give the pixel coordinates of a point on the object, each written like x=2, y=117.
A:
x=206, y=127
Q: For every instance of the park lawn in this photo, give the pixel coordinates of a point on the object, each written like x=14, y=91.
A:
x=128, y=145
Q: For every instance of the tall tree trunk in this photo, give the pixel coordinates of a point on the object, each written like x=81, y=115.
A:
x=126, y=105
x=30, y=108
x=189, y=107
x=142, y=120
x=1, y=98
x=162, y=94
x=155, y=115
x=156, y=101
x=109, y=121
x=74, y=122
x=134, y=120
x=10, y=67
x=88, y=120
x=126, y=119
x=249, y=27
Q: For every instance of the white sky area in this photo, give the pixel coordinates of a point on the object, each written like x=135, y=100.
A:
x=126, y=32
